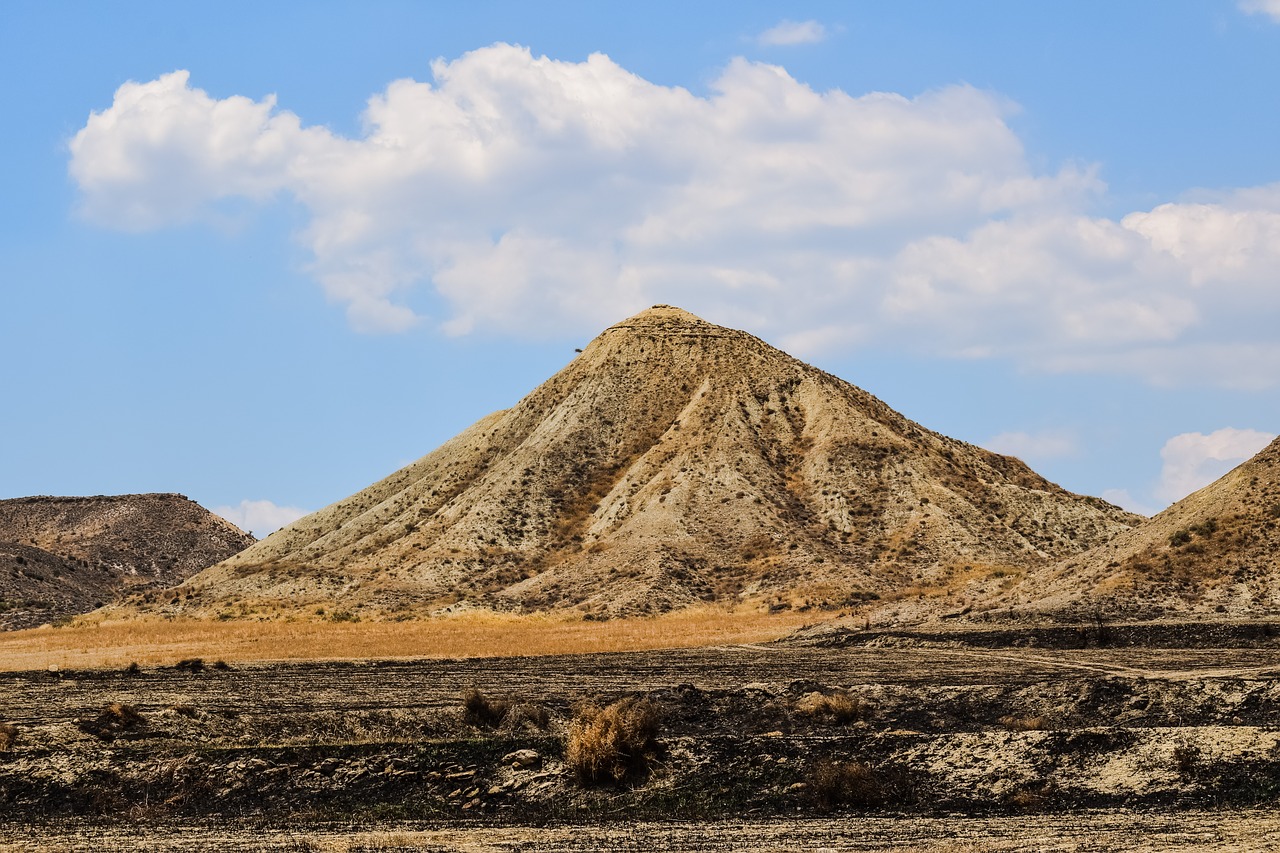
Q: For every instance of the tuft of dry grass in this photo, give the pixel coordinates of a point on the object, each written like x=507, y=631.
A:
x=482, y=711
x=833, y=783
x=95, y=643
x=840, y=783
x=527, y=715
x=112, y=721
x=1015, y=723
x=608, y=744
x=838, y=706
x=1031, y=797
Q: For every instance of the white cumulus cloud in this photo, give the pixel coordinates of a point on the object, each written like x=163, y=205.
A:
x=1270, y=8
x=786, y=33
x=527, y=196
x=1193, y=460
x=260, y=518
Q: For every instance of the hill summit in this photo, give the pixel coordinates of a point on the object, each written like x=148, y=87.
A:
x=672, y=462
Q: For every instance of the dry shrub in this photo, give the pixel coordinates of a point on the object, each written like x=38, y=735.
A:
x=482, y=711
x=854, y=783
x=608, y=744
x=838, y=706
x=1015, y=723
x=1186, y=758
x=527, y=715
x=1031, y=797
x=8, y=736
x=113, y=721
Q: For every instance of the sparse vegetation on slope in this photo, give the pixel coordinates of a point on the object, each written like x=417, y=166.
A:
x=1216, y=551
x=673, y=463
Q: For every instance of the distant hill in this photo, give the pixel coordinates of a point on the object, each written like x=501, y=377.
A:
x=60, y=556
x=1216, y=551
x=673, y=462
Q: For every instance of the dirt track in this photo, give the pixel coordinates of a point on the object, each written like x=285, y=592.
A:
x=1097, y=832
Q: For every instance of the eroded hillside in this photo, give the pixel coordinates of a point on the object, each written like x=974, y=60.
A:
x=672, y=462
x=60, y=556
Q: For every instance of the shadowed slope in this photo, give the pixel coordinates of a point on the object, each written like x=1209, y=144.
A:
x=672, y=462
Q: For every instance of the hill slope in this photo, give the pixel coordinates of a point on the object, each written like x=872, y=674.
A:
x=60, y=556
x=1214, y=551
x=672, y=462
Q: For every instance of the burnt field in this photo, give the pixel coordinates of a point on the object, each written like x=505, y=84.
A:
x=844, y=741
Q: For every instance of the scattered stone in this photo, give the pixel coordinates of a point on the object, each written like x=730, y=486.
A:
x=523, y=759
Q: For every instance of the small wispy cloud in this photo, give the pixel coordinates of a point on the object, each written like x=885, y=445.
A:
x=1124, y=500
x=788, y=33
x=1270, y=8
x=260, y=518
x=1048, y=444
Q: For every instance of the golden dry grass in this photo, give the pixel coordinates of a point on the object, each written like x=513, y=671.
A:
x=1016, y=723
x=93, y=644
x=606, y=744
x=838, y=706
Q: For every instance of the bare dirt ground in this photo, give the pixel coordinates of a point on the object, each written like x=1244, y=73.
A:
x=844, y=742
x=1094, y=832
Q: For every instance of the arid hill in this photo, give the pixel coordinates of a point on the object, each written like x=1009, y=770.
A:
x=1216, y=551
x=672, y=462
x=60, y=556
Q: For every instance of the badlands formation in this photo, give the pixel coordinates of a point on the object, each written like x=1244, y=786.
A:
x=60, y=556
x=1215, y=552
x=673, y=462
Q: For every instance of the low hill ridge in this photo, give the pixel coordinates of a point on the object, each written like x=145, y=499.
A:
x=60, y=556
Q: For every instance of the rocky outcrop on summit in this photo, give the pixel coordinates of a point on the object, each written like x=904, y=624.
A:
x=60, y=556
x=672, y=462
x=1215, y=552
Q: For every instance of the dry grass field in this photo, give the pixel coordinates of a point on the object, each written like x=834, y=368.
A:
x=93, y=643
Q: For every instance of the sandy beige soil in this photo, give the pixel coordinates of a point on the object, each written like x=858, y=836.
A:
x=1095, y=832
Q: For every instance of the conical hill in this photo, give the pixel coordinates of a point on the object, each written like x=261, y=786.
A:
x=672, y=462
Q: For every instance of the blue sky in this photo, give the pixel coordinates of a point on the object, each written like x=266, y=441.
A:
x=264, y=254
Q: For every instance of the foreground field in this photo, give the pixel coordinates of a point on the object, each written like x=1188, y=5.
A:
x=929, y=742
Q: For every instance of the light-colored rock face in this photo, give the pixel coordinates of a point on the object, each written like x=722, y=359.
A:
x=673, y=461
x=1216, y=551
